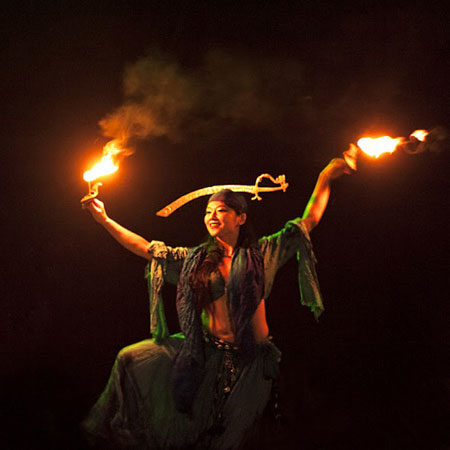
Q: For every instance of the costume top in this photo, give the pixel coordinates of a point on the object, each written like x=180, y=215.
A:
x=167, y=263
x=217, y=284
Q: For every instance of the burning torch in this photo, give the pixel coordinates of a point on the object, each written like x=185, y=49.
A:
x=375, y=147
x=106, y=166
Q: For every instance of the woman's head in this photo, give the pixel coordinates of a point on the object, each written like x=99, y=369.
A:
x=226, y=221
x=226, y=213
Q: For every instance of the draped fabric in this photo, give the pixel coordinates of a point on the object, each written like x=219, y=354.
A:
x=164, y=266
x=245, y=288
x=276, y=249
x=138, y=408
x=136, y=411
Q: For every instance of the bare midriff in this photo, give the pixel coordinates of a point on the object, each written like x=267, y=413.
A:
x=219, y=321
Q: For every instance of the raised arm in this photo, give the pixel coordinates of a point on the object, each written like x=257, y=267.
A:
x=131, y=241
x=319, y=199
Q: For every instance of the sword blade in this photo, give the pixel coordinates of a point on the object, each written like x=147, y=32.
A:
x=251, y=189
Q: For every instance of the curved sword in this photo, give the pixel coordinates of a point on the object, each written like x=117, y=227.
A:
x=251, y=189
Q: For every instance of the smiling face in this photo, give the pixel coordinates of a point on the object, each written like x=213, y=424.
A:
x=223, y=222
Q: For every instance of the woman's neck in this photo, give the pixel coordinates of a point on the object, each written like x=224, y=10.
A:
x=228, y=248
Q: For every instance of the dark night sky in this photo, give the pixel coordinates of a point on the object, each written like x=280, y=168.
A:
x=279, y=87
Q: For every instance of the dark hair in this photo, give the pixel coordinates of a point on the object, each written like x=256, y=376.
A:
x=214, y=254
x=232, y=199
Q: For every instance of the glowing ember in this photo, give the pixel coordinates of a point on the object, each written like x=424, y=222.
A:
x=105, y=167
x=420, y=135
x=377, y=146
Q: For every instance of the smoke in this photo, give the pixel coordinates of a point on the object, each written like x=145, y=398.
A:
x=436, y=141
x=158, y=98
x=226, y=90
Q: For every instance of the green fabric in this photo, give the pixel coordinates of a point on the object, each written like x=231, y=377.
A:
x=277, y=249
x=137, y=411
x=165, y=265
x=245, y=287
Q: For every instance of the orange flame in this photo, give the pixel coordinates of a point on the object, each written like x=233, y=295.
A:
x=106, y=165
x=377, y=146
x=420, y=135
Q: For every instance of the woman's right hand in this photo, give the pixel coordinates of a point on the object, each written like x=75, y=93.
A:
x=97, y=209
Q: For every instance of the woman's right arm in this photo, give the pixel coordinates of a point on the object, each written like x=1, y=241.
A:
x=131, y=241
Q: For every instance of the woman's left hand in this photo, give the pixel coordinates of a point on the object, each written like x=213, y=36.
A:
x=336, y=168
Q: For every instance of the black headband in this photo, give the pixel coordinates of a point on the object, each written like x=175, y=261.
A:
x=231, y=199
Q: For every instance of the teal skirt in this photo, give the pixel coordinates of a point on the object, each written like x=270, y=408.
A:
x=137, y=411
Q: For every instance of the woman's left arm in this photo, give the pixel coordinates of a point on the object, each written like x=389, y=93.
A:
x=319, y=199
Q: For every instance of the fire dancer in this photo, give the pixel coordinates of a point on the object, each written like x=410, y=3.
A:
x=207, y=386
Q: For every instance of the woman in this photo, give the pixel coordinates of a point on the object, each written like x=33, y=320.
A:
x=207, y=386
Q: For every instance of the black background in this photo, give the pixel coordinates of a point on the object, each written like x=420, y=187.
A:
x=374, y=371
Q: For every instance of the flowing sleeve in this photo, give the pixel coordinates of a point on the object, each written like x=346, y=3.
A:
x=279, y=247
x=165, y=265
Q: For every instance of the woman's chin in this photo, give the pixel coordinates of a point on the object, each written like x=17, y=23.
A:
x=213, y=232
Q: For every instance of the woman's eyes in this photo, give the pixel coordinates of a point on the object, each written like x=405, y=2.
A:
x=222, y=210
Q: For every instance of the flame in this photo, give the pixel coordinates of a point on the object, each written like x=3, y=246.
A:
x=377, y=146
x=106, y=165
x=420, y=135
